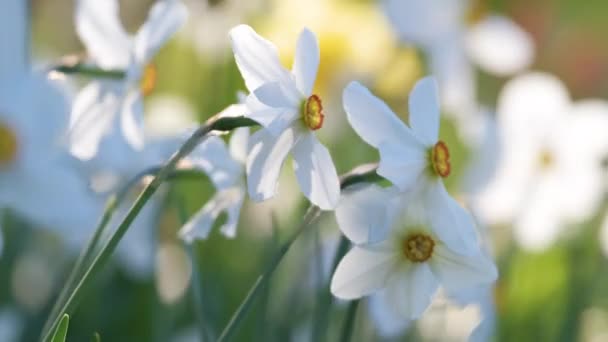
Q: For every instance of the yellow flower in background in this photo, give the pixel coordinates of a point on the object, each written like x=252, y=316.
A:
x=354, y=38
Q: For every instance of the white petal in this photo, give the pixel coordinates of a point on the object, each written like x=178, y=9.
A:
x=93, y=116
x=529, y=105
x=386, y=317
x=316, y=172
x=456, y=77
x=306, y=62
x=98, y=25
x=362, y=271
x=275, y=120
x=452, y=223
x=372, y=119
x=424, y=110
x=500, y=46
x=422, y=21
x=402, y=165
x=362, y=214
x=132, y=120
x=257, y=58
x=199, y=226
x=14, y=37
x=164, y=19
x=213, y=157
x=266, y=156
x=411, y=290
x=457, y=272
x=273, y=95
x=239, y=141
x=541, y=219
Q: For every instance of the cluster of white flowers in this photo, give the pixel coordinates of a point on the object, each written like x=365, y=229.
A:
x=60, y=163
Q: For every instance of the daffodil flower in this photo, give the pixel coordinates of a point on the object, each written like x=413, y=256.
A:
x=38, y=178
x=412, y=260
x=412, y=158
x=113, y=109
x=283, y=103
x=455, y=34
x=549, y=172
x=225, y=166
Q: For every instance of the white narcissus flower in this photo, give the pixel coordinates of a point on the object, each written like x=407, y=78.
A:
x=455, y=33
x=225, y=165
x=283, y=103
x=410, y=262
x=549, y=172
x=412, y=158
x=38, y=178
x=113, y=109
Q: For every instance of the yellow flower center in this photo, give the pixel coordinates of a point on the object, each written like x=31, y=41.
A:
x=8, y=145
x=312, y=112
x=477, y=11
x=418, y=247
x=148, y=79
x=440, y=159
x=546, y=159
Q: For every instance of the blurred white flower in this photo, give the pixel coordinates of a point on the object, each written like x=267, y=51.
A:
x=283, y=103
x=455, y=33
x=164, y=135
x=549, y=172
x=225, y=166
x=38, y=178
x=410, y=262
x=413, y=159
x=113, y=109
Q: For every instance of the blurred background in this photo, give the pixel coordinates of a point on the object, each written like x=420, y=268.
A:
x=557, y=293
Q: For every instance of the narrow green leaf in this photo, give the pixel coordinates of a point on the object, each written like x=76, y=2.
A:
x=96, y=337
x=62, y=329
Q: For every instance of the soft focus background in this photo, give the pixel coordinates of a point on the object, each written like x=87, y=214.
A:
x=559, y=293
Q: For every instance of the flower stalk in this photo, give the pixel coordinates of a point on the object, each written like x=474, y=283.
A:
x=213, y=124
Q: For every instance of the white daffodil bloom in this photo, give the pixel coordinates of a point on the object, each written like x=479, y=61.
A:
x=283, y=103
x=113, y=109
x=549, y=172
x=225, y=166
x=455, y=33
x=412, y=158
x=410, y=262
x=38, y=179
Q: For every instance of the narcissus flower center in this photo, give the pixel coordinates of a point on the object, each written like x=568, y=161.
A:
x=418, y=247
x=312, y=112
x=148, y=79
x=440, y=159
x=546, y=159
x=8, y=145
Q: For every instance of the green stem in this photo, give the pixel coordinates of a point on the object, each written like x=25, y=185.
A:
x=222, y=124
x=326, y=299
x=353, y=177
x=91, y=71
x=312, y=213
x=84, y=256
x=349, y=321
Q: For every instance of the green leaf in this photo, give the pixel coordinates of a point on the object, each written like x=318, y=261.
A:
x=96, y=337
x=62, y=329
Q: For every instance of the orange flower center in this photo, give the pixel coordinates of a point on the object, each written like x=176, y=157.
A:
x=148, y=79
x=312, y=112
x=8, y=145
x=440, y=159
x=418, y=247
